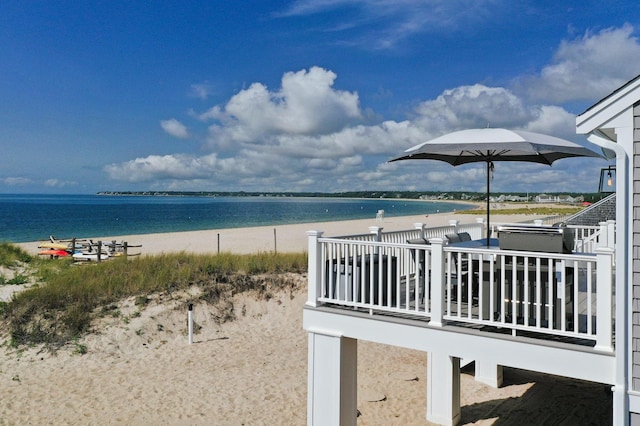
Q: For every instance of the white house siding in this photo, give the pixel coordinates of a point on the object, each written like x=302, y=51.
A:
x=636, y=255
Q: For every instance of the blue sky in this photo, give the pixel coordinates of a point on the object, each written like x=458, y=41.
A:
x=309, y=95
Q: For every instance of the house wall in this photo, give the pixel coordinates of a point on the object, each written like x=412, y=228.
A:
x=635, y=385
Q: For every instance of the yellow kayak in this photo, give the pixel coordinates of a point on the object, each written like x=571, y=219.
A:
x=54, y=246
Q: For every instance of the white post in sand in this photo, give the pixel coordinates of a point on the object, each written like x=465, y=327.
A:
x=443, y=388
x=190, y=321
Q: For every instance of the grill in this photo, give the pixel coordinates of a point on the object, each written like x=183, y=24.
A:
x=548, y=239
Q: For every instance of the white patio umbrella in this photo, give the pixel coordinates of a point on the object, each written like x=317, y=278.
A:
x=490, y=145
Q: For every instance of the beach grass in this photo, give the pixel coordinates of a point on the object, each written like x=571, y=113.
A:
x=11, y=255
x=62, y=307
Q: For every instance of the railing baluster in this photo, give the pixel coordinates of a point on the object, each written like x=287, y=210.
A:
x=514, y=290
x=338, y=268
x=407, y=277
x=551, y=315
x=503, y=294
x=427, y=280
x=538, y=291
x=482, y=307
x=589, y=301
x=576, y=299
x=563, y=292
x=492, y=292
x=386, y=273
x=525, y=288
x=469, y=276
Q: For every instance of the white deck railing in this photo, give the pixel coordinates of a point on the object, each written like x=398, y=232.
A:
x=568, y=295
x=420, y=231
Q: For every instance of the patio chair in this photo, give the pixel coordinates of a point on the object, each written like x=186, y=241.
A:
x=464, y=267
x=453, y=238
x=464, y=236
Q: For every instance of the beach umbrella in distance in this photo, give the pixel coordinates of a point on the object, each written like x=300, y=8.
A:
x=490, y=145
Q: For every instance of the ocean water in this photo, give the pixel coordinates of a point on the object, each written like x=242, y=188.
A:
x=26, y=218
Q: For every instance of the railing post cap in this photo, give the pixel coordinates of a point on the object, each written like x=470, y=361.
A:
x=418, y=225
x=604, y=250
x=314, y=233
x=375, y=229
x=436, y=240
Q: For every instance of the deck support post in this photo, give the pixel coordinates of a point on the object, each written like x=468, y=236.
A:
x=332, y=387
x=443, y=389
x=489, y=373
x=314, y=290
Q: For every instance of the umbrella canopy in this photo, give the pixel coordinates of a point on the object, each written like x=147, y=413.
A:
x=490, y=145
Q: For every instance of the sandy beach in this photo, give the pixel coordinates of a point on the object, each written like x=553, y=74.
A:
x=253, y=371
x=282, y=238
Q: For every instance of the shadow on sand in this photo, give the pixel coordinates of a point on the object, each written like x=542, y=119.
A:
x=557, y=401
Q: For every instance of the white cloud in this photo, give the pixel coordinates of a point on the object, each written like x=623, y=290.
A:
x=587, y=68
x=16, y=181
x=57, y=183
x=273, y=153
x=383, y=24
x=200, y=90
x=175, y=128
x=473, y=106
x=308, y=135
x=553, y=120
x=306, y=104
x=162, y=167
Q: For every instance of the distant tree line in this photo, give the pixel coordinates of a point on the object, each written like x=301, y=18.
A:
x=449, y=195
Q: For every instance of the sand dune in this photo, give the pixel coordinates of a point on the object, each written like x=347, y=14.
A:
x=252, y=371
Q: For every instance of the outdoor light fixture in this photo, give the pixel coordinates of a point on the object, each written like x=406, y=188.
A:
x=607, y=179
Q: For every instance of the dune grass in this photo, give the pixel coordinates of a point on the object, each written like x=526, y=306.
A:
x=63, y=306
x=11, y=255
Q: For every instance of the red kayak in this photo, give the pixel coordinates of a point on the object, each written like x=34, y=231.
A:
x=54, y=252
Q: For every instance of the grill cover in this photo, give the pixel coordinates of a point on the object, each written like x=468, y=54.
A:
x=548, y=239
